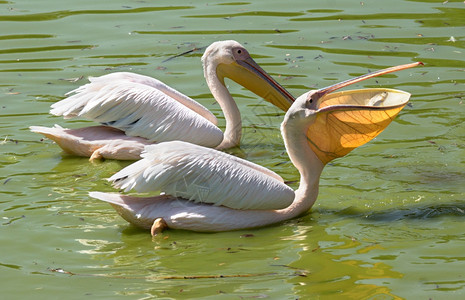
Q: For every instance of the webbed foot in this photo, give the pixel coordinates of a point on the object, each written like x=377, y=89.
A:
x=158, y=226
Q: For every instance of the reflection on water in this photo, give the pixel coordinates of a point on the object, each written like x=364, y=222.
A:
x=239, y=260
x=389, y=216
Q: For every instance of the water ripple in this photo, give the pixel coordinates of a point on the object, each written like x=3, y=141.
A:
x=346, y=51
x=447, y=17
x=215, y=32
x=25, y=36
x=45, y=49
x=48, y=16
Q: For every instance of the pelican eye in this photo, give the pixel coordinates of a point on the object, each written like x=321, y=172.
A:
x=240, y=53
x=312, y=100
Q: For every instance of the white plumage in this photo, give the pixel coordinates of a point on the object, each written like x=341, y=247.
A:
x=96, y=84
x=207, y=190
x=101, y=141
x=204, y=175
x=144, y=107
x=126, y=102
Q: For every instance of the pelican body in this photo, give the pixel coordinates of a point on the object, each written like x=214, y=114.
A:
x=137, y=110
x=207, y=190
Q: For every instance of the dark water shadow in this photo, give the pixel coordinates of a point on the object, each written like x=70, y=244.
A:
x=413, y=212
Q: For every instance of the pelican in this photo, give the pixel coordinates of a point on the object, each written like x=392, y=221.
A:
x=207, y=190
x=137, y=110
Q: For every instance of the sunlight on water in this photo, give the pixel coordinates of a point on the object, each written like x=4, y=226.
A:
x=388, y=222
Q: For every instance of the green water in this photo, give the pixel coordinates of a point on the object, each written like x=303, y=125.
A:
x=389, y=220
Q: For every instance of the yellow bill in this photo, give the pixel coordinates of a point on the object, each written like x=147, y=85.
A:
x=246, y=72
x=348, y=119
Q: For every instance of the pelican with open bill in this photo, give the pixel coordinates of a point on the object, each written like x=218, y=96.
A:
x=321, y=125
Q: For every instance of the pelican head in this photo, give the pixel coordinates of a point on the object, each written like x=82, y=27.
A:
x=231, y=60
x=335, y=123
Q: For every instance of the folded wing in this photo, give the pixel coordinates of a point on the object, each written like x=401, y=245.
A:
x=204, y=175
x=141, y=106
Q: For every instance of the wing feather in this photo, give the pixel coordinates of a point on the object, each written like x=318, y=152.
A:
x=98, y=82
x=203, y=175
x=139, y=109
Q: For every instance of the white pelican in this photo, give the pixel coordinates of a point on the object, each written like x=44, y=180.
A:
x=207, y=190
x=137, y=110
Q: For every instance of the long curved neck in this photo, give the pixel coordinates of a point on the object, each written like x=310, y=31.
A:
x=232, y=134
x=221, y=218
x=308, y=165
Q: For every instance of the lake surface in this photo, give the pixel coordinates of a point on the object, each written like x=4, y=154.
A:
x=389, y=221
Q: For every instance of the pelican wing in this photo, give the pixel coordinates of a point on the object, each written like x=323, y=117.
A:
x=169, y=91
x=141, y=106
x=204, y=175
x=95, y=141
